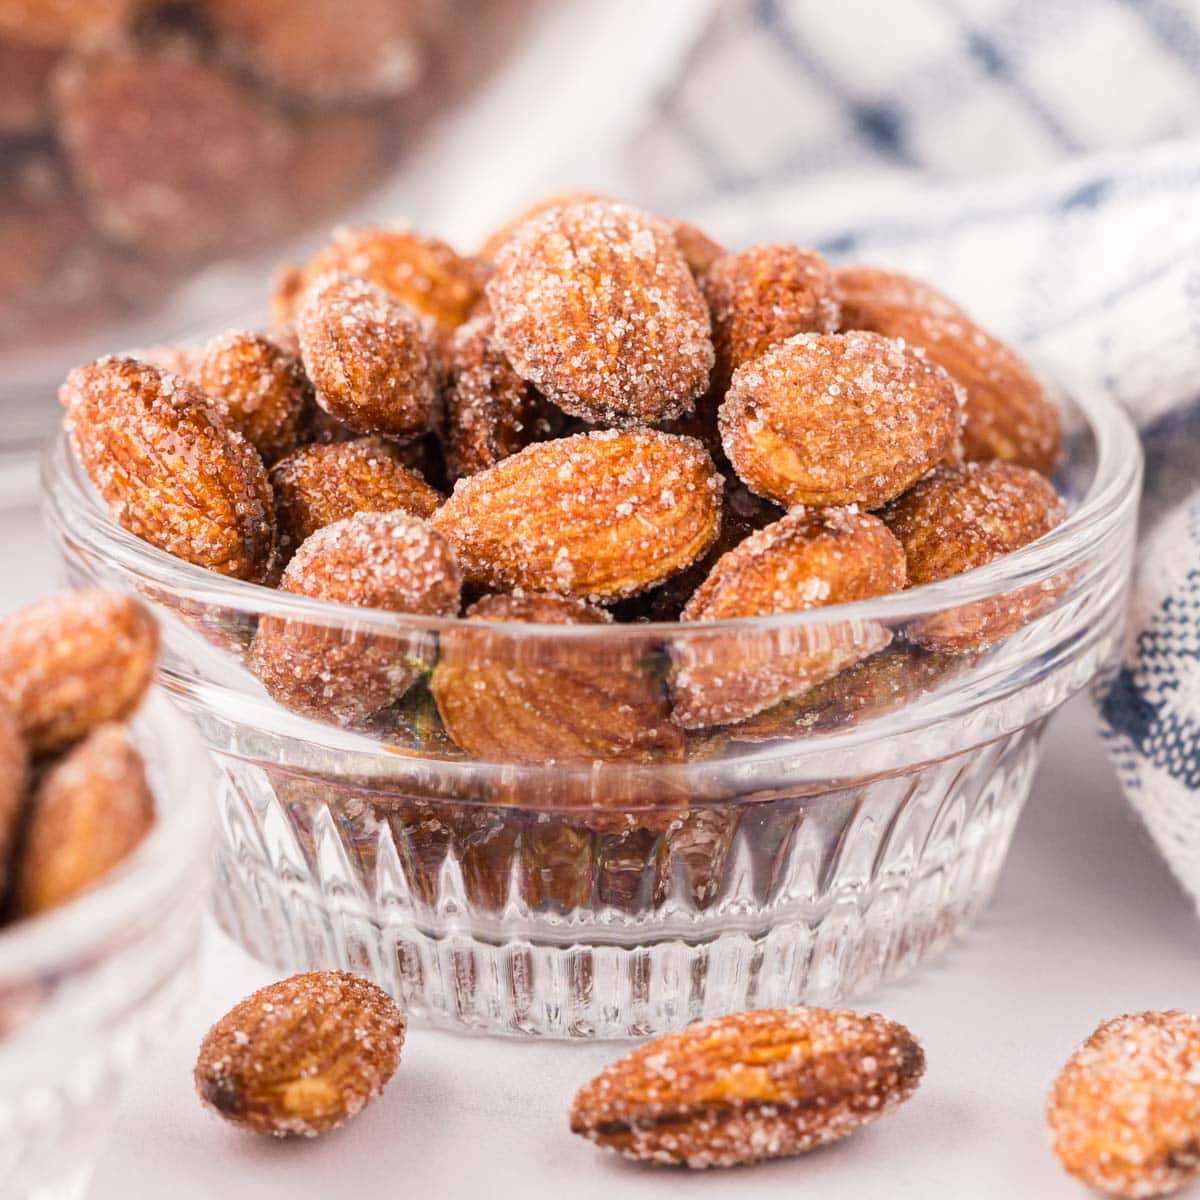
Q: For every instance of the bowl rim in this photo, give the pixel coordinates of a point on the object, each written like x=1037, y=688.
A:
x=83, y=929
x=72, y=505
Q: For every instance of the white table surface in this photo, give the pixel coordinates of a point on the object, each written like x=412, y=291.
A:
x=1087, y=923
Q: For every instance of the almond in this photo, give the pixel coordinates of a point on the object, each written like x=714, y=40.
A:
x=833, y=419
x=698, y=249
x=425, y=275
x=804, y=560
x=598, y=515
x=1008, y=413
x=750, y=1086
x=90, y=812
x=491, y=412
x=507, y=699
x=171, y=472
x=368, y=358
x=73, y=662
x=319, y=484
x=63, y=22
x=1124, y=1114
x=14, y=778
x=301, y=1056
x=258, y=388
x=389, y=561
x=595, y=306
x=764, y=296
x=961, y=517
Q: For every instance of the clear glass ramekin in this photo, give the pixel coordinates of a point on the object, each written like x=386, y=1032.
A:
x=803, y=855
x=86, y=989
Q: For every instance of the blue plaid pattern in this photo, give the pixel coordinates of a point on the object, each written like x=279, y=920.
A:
x=1040, y=161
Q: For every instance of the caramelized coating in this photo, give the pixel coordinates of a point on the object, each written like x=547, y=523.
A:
x=698, y=249
x=750, y=1086
x=368, y=358
x=170, y=471
x=90, y=812
x=59, y=23
x=73, y=662
x=838, y=419
x=763, y=296
x=320, y=484
x=331, y=672
x=491, y=412
x=504, y=700
x=595, y=305
x=258, y=388
x=320, y=52
x=1124, y=1114
x=804, y=560
x=1008, y=413
x=301, y=1056
x=175, y=159
x=597, y=515
x=421, y=272
x=961, y=517
x=24, y=88
x=14, y=779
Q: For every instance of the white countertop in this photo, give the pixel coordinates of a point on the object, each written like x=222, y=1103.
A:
x=1087, y=924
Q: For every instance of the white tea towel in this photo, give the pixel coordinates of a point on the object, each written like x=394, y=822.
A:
x=1038, y=160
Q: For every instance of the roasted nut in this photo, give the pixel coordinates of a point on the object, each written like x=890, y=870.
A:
x=750, y=1086
x=961, y=517
x=73, y=662
x=331, y=158
x=1124, y=1114
x=595, y=306
x=24, y=88
x=804, y=560
x=420, y=272
x=301, y=1056
x=597, y=516
x=698, y=249
x=14, y=778
x=319, y=484
x=368, y=358
x=90, y=812
x=491, y=412
x=838, y=419
x=1008, y=414
x=764, y=296
x=59, y=23
x=175, y=158
x=331, y=671
x=170, y=471
x=507, y=699
x=317, y=51
x=259, y=389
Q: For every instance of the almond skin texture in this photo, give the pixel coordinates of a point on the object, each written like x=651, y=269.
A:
x=750, y=1086
x=598, y=515
x=531, y=703
x=374, y=560
x=319, y=484
x=491, y=412
x=299, y=1057
x=420, y=272
x=595, y=306
x=804, y=560
x=368, y=358
x=1008, y=413
x=14, y=778
x=72, y=662
x=834, y=419
x=764, y=296
x=90, y=812
x=171, y=471
x=258, y=388
x=961, y=517
x=1124, y=1114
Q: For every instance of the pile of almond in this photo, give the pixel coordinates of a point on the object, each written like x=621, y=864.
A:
x=74, y=798
x=602, y=415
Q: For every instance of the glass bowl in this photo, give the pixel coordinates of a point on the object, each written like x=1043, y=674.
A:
x=597, y=872
x=86, y=989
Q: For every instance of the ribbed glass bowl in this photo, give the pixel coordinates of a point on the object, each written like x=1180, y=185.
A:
x=804, y=855
x=86, y=989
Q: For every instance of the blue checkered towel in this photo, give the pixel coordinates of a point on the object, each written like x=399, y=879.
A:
x=1040, y=161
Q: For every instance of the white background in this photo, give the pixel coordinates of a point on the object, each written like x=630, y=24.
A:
x=1087, y=923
